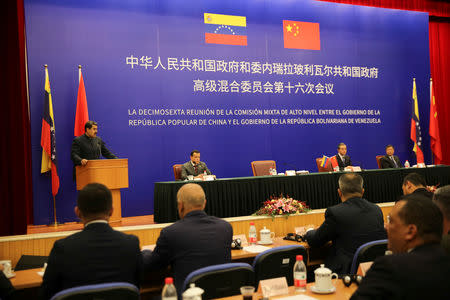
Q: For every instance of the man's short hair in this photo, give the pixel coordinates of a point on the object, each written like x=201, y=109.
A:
x=415, y=179
x=94, y=199
x=341, y=144
x=351, y=183
x=423, y=213
x=442, y=198
x=191, y=195
x=89, y=125
x=389, y=146
x=194, y=151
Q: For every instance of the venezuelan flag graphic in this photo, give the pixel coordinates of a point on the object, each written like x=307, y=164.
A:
x=225, y=29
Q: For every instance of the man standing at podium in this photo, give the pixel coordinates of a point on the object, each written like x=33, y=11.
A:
x=89, y=146
x=194, y=167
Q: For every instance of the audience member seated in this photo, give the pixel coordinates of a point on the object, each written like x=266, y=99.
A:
x=97, y=254
x=6, y=289
x=390, y=160
x=348, y=225
x=418, y=268
x=194, y=242
x=194, y=167
x=413, y=183
x=442, y=199
x=342, y=158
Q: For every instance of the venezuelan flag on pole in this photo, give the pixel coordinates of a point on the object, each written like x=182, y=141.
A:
x=48, y=141
x=415, y=126
x=225, y=29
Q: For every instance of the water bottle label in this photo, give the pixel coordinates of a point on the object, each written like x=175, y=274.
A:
x=252, y=240
x=299, y=279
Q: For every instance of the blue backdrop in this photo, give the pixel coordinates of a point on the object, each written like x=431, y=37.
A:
x=158, y=90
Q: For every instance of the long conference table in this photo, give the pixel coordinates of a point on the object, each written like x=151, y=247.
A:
x=232, y=197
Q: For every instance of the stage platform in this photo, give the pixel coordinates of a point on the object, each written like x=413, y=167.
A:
x=40, y=242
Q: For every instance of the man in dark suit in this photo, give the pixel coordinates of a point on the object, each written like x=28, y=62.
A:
x=342, y=158
x=97, y=254
x=6, y=289
x=390, y=160
x=418, y=268
x=441, y=198
x=348, y=225
x=413, y=183
x=194, y=242
x=88, y=146
x=194, y=167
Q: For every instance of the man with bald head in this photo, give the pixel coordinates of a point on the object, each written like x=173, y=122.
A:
x=194, y=242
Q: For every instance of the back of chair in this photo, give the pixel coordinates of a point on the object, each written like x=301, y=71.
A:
x=221, y=280
x=278, y=262
x=261, y=167
x=368, y=252
x=177, y=171
x=110, y=291
x=327, y=168
x=378, y=157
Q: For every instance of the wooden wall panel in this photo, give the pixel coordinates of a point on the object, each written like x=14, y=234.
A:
x=12, y=247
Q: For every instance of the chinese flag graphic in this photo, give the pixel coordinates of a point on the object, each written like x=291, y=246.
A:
x=301, y=35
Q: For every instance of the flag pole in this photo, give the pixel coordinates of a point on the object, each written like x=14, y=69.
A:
x=54, y=213
x=431, y=100
x=79, y=73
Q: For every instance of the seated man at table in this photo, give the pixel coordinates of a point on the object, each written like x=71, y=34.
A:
x=342, y=158
x=194, y=167
x=390, y=160
x=441, y=198
x=418, y=268
x=194, y=242
x=413, y=183
x=348, y=225
x=97, y=254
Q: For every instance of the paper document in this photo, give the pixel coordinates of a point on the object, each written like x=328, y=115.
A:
x=256, y=248
x=298, y=297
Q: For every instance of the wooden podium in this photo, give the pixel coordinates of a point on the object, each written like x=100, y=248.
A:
x=111, y=172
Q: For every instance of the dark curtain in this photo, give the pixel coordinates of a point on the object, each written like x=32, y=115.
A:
x=16, y=209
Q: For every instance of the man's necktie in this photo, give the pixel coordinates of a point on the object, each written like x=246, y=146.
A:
x=196, y=170
x=395, y=163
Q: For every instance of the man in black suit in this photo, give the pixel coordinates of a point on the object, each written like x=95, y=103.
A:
x=441, y=198
x=97, y=254
x=418, y=268
x=194, y=242
x=413, y=183
x=348, y=225
x=88, y=146
x=390, y=160
x=342, y=158
x=194, y=167
x=6, y=289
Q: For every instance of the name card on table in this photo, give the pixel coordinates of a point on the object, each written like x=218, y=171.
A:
x=273, y=287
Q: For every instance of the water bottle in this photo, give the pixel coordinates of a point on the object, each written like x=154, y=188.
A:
x=252, y=234
x=270, y=171
x=169, y=292
x=300, y=274
x=407, y=165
